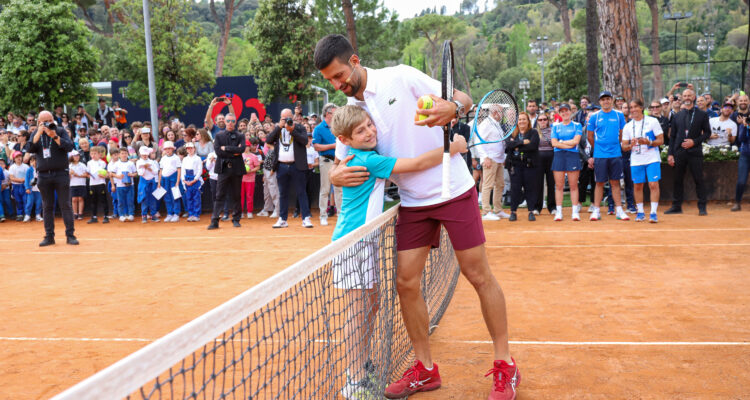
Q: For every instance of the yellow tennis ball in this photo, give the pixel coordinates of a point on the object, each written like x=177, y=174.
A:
x=423, y=103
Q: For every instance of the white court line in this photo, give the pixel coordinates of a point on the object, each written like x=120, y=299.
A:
x=576, y=246
x=624, y=230
x=139, y=238
x=225, y=251
x=516, y=342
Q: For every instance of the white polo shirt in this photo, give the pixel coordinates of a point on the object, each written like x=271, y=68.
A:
x=169, y=165
x=391, y=100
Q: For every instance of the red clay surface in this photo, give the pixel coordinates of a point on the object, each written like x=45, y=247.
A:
x=682, y=282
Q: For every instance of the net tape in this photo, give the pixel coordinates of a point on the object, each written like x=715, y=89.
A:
x=297, y=335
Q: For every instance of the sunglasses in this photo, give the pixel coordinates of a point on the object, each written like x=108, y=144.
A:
x=653, y=106
x=542, y=119
x=127, y=136
x=230, y=121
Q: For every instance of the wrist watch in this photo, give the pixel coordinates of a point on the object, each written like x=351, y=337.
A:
x=459, y=108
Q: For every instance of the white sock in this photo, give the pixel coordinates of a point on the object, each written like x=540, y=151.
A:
x=654, y=206
x=559, y=209
x=640, y=207
x=430, y=369
x=596, y=209
x=618, y=209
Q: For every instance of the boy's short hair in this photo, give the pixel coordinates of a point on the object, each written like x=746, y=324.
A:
x=346, y=118
x=254, y=140
x=123, y=150
x=182, y=151
x=114, y=151
x=98, y=150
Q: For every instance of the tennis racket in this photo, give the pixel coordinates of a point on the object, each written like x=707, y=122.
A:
x=447, y=86
x=496, y=113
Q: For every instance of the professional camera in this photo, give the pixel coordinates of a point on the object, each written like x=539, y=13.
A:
x=289, y=121
x=50, y=125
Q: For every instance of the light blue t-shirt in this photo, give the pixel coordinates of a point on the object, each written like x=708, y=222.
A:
x=364, y=202
x=567, y=132
x=606, y=127
x=322, y=135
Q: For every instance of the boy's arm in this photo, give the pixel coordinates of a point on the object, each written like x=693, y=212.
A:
x=428, y=159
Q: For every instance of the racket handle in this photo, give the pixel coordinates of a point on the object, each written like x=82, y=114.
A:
x=446, y=193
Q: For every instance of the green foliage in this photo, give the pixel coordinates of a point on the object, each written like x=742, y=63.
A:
x=436, y=29
x=737, y=37
x=182, y=70
x=668, y=56
x=240, y=54
x=565, y=70
x=47, y=58
x=284, y=37
x=727, y=73
x=518, y=45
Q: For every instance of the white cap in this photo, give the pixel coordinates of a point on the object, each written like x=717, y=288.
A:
x=168, y=144
x=144, y=150
x=189, y=144
x=664, y=100
x=145, y=129
x=72, y=153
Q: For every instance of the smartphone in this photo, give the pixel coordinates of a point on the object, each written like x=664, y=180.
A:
x=228, y=95
x=683, y=84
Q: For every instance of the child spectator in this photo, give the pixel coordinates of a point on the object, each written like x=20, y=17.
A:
x=97, y=184
x=192, y=169
x=252, y=165
x=182, y=153
x=17, y=173
x=270, y=186
x=213, y=177
x=147, y=170
x=169, y=177
x=78, y=175
x=33, y=197
x=112, y=156
x=5, y=191
x=123, y=172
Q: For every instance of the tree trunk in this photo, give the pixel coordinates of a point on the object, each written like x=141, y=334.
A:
x=658, y=84
x=621, y=56
x=351, y=28
x=225, y=25
x=592, y=50
x=562, y=7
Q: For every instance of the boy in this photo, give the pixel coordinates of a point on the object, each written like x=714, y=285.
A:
x=147, y=170
x=97, y=184
x=169, y=177
x=5, y=190
x=112, y=156
x=33, y=197
x=270, y=185
x=354, y=128
x=17, y=173
x=192, y=168
x=123, y=172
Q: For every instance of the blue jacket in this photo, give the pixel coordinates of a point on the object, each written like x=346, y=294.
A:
x=743, y=140
x=29, y=177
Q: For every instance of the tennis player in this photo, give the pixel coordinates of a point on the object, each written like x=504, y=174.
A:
x=390, y=96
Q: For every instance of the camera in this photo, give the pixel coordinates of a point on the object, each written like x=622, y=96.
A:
x=289, y=121
x=50, y=125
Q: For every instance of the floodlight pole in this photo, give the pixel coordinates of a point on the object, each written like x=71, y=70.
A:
x=150, y=66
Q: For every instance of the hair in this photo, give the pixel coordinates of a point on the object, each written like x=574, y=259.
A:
x=204, y=135
x=245, y=120
x=332, y=47
x=528, y=118
x=32, y=157
x=123, y=149
x=531, y=101
x=115, y=151
x=346, y=118
x=227, y=115
x=637, y=102
x=254, y=141
x=98, y=150
x=182, y=151
x=189, y=133
x=23, y=133
x=327, y=108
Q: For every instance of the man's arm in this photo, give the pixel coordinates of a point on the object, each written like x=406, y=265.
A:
x=429, y=159
x=299, y=133
x=208, y=121
x=706, y=129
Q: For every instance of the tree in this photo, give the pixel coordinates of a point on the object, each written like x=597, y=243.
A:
x=621, y=56
x=182, y=71
x=225, y=24
x=658, y=85
x=592, y=49
x=563, y=71
x=112, y=16
x=436, y=29
x=48, y=60
x=284, y=66
x=517, y=45
x=351, y=28
x=562, y=6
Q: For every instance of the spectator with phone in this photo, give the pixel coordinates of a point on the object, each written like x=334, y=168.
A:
x=215, y=127
x=121, y=119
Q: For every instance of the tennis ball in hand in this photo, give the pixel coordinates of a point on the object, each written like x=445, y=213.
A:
x=247, y=168
x=423, y=103
x=102, y=173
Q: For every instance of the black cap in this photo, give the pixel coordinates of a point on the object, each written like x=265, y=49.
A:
x=564, y=105
x=605, y=93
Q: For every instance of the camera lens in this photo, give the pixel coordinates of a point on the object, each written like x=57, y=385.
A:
x=289, y=121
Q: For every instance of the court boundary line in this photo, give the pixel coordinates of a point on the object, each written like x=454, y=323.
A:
x=578, y=246
x=132, y=238
x=625, y=230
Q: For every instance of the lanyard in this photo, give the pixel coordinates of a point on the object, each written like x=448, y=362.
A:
x=286, y=145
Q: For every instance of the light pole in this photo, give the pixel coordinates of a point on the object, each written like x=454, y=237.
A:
x=557, y=45
x=676, y=16
x=538, y=48
x=523, y=84
x=706, y=43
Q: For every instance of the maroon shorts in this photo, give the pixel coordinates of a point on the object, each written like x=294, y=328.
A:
x=420, y=226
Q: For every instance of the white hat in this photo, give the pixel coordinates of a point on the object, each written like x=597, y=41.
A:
x=211, y=155
x=144, y=150
x=664, y=100
x=145, y=129
x=72, y=153
x=168, y=145
x=189, y=144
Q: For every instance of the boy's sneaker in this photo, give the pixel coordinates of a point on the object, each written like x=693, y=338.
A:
x=595, y=216
x=307, y=223
x=19, y=218
x=154, y=218
x=505, y=380
x=416, y=379
x=490, y=216
x=575, y=215
x=280, y=224
x=27, y=218
x=185, y=215
x=502, y=214
x=123, y=219
x=276, y=215
x=640, y=217
x=2, y=218
x=93, y=220
x=105, y=220
x=632, y=210
x=176, y=218
x=558, y=216
x=189, y=219
x=622, y=216
x=652, y=218
x=131, y=218
x=249, y=215
x=323, y=221
x=39, y=218
x=263, y=213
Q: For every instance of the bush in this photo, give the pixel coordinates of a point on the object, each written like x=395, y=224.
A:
x=712, y=153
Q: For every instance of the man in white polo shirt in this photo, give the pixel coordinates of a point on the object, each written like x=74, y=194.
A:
x=390, y=96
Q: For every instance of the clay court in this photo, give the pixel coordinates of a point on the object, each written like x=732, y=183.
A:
x=602, y=310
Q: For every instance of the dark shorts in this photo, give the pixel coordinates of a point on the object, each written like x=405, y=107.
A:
x=566, y=161
x=77, y=191
x=420, y=226
x=607, y=169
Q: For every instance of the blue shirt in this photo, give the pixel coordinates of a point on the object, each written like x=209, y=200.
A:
x=567, y=132
x=606, y=127
x=323, y=135
x=364, y=202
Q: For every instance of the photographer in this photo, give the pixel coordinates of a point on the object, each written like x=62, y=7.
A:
x=229, y=146
x=51, y=145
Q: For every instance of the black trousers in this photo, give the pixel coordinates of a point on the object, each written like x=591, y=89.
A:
x=50, y=183
x=523, y=183
x=545, y=172
x=585, y=179
x=228, y=186
x=98, y=194
x=683, y=162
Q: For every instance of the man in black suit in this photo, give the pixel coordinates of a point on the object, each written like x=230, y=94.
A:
x=689, y=129
x=229, y=146
x=289, y=141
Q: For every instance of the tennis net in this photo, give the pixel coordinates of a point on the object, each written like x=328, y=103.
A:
x=308, y=332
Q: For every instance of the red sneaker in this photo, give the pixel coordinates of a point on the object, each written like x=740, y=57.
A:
x=506, y=378
x=415, y=379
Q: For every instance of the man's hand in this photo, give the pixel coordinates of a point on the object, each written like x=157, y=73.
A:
x=591, y=163
x=688, y=143
x=487, y=163
x=670, y=160
x=348, y=176
x=458, y=145
x=642, y=140
x=441, y=113
x=227, y=100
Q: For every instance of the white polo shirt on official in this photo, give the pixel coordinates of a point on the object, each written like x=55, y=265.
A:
x=648, y=127
x=491, y=131
x=144, y=173
x=391, y=100
x=78, y=169
x=169, y=165
x=286, y=152
x=94, y=167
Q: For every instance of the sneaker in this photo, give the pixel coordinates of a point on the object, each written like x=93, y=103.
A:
x=27, y=218
x=640, y=217
x=323, y=221
x=415, y=379
x=387, y=198
x=652, y=218
x=175, y=218
x=595, y=216
x=155, y=219
x=702, y=212
x=80, y=217
x=39, y=218
x=224, y=218
x=490, y=216
x=280, y=224
x=523, y=205
x=144, y=219
x=19, y=218
x=275, y=215
x=105, y=220
x=623, y=216
x=505, y=380
x=131, y=218
x=502, y=214
x=632, y=210
x=307, y=223
x=123, y=219
x=513, y=217
x=366, y=388
x=185, y=215
x=591, y=209
x=263, y=213
x=93, y=220
x=2, y=218
x=575, y=216
x=736, y=207
x=531, y=216
x=536, y=212
x=249, y=215
x=558, y=216
x=190, y=219
x=296, y=214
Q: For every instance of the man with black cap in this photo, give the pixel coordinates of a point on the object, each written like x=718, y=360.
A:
x=229, y=146
x=690, y=128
